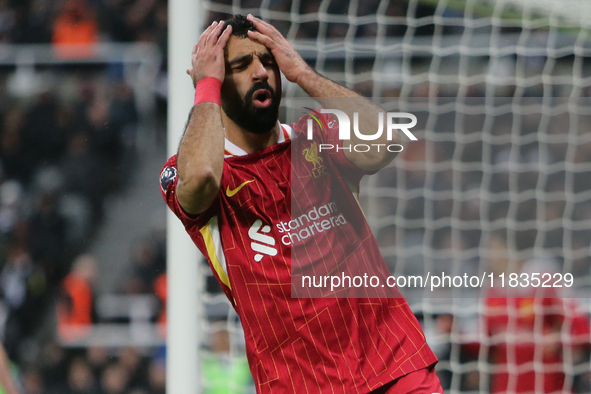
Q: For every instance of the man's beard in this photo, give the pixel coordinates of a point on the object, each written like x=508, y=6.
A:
x=246, y=115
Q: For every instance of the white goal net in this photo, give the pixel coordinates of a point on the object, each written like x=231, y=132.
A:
x=505, y=149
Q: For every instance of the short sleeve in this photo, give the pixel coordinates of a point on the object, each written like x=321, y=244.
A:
x=168, y=183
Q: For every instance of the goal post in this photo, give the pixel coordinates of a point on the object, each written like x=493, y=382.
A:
x=184, y=277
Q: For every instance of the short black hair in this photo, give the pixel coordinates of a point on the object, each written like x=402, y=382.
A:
x=240, y=25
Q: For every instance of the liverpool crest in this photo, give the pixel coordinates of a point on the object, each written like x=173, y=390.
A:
x=311, y=155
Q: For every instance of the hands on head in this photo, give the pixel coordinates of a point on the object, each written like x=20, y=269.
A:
x=288, y=59
x=207, y=59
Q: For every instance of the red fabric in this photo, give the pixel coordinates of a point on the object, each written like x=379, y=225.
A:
x=423, y=381
x=526, y=330
x=518, y=316
x=208, y=90
x=316, y=345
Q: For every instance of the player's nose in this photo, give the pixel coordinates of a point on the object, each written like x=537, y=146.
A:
x=259, y=71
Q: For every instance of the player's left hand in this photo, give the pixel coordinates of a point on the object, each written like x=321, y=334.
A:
x=288, y=59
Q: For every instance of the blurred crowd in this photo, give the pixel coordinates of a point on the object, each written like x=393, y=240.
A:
x=59, y=160
x=95, y=370
x=63, y=151
x=82, y=21
x=49, y=364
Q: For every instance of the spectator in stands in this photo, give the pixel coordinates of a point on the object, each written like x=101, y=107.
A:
x=123, y=119
x=33, y=382
x=75, y=308
x=442, y=347
x=83, y=172
x=157, y=376
x=14, y=283
x=148, y=265
x=11, y=205
x=135, y=366
x=81, y=379
x=161, y=31
x=105, y=140
x=143, y=267
x=160, y=291
x=15, y=162
x=139, y=391
x=140, y=17
x=98, y=123
x=76, y=25
x=42, y=135
x=113, y=21
x=97, y=358
x=31, y=21
x=115, y=379
x=23, y=285
x=54, y=366
x=6, y=21
x=48, y=237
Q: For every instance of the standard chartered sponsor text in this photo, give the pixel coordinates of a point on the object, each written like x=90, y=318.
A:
x=316, y=220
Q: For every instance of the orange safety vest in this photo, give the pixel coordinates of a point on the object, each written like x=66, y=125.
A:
x=74, y=320
x=160, y=290
x=74, y=39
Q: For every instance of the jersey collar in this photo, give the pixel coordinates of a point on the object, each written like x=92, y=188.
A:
x=231, y=149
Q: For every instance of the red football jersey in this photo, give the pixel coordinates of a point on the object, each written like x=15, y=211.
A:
x=272, y=210
x=527, y=340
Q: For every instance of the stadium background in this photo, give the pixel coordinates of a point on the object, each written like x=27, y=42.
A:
x=82, y=139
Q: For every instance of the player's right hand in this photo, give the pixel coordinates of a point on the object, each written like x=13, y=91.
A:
x=208, y=54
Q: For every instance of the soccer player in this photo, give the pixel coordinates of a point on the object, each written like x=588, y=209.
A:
x=525, y=327
x=250, y=190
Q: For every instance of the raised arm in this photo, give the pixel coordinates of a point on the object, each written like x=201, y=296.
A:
x=201, y=153
x=330, y=95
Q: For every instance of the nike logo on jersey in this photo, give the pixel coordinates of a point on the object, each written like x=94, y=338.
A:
x=231, y=192
x=263, y=245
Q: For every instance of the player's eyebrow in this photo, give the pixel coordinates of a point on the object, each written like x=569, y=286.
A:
x=245, y=59
x=266, y=56
x=241, y=59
